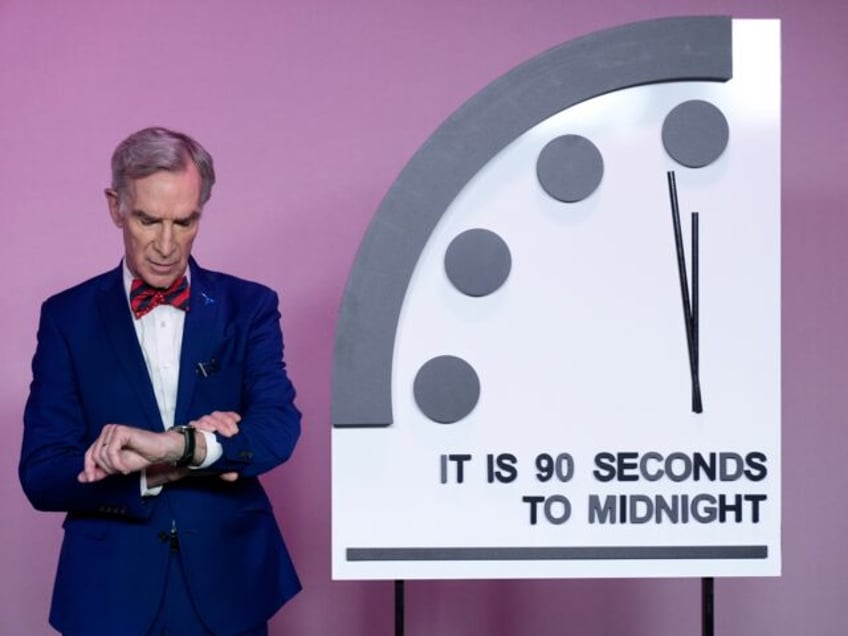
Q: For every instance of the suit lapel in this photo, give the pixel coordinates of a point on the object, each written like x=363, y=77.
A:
x=117, y=323
x=198, y=336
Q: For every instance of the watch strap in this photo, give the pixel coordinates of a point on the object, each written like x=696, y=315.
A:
x=188, y=433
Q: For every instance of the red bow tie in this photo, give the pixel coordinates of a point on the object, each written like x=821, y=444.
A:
x=143, y=297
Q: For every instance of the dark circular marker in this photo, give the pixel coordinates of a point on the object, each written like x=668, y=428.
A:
x=477, y=262
x=570, y=168
x=446, y=389
x=695, y=133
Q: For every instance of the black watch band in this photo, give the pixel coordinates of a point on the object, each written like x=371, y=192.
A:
x=188, y=433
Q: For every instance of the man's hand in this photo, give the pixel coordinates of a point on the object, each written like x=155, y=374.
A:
x=125, y=449
x=223, y=422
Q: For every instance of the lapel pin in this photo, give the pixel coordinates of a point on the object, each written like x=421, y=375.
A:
x=206, y=368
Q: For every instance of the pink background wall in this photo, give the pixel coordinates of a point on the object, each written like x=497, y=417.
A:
x=311, y=108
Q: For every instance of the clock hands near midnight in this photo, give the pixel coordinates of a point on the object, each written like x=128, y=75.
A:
x=690, y=302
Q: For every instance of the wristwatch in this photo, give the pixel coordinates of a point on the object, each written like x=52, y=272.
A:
x=189, y=437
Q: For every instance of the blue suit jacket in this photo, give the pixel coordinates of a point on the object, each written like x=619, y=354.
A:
x=88, y=371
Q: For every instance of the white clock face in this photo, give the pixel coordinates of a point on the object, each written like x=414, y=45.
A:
x=541, y=376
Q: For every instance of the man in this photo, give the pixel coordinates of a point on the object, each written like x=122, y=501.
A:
x=168, y=530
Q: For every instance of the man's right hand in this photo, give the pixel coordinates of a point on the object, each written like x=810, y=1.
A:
x=223, y=422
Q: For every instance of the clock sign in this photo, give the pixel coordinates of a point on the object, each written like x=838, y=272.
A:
x=558, y=352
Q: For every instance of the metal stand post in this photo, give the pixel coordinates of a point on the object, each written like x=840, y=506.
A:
x=707, y=606
x=399, y=608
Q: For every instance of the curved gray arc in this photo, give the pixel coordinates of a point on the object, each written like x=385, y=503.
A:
x=664, y=50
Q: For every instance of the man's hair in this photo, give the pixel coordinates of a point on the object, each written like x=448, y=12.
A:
x=155, y=149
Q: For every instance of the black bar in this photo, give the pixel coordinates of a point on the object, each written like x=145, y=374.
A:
x=742, y=552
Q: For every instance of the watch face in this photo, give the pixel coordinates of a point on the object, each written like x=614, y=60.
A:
x=581, y=365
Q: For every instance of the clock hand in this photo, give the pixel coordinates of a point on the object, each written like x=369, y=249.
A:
x=694, y=365
x=690, y=318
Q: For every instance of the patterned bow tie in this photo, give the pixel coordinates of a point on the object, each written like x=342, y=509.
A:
x=143, y=297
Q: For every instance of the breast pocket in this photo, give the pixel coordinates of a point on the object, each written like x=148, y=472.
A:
x=220, y=391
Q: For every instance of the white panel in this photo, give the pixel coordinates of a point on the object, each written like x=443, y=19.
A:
x=583, y=349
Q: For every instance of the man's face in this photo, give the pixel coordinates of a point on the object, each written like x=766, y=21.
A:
x=159, y=221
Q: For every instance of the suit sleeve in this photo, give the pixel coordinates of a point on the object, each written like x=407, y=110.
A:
x=270, y=424
x=57, y=434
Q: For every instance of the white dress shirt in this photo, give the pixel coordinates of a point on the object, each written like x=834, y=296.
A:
x=160, y=334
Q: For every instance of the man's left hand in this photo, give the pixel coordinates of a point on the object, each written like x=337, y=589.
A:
x=126, y=449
